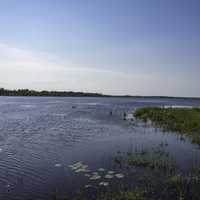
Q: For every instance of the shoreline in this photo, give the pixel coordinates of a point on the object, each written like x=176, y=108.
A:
x=53, y=93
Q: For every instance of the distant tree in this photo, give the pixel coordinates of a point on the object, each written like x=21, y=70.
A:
x=26, y=92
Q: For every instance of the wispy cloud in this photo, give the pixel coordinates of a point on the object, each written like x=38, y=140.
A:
x=21, y=68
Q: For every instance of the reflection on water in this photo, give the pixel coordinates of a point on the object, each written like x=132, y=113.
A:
x=40, y=137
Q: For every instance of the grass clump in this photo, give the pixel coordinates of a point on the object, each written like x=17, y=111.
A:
x=182, y=120
x=155, y=158
x=136, y=194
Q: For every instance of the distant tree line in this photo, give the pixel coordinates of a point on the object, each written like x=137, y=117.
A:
x=26, y=92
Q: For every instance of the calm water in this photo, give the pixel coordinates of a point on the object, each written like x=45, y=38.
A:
x=38, y=133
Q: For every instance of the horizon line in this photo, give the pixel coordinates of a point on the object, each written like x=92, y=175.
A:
x=87, y=94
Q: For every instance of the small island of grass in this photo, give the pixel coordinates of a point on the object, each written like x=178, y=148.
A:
x=181, y=120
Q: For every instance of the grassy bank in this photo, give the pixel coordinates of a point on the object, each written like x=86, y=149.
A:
x=181, y=120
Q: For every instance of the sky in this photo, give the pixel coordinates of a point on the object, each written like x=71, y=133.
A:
x=119, y=47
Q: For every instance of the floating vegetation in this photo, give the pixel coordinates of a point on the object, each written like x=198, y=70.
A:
x=76, y=166
x=155, y=158
x=151, y=175
x=80, y=170
x=119, y=175
x=84, y=166
x=79, y=167
x=109, y=176
x=104, y=184
x=111, y=172
x=95, y=177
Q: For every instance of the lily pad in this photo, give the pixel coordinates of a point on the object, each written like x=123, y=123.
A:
x=79, y=167
x=95, y=177
x=119, y=175
x=104, y=184
x=109, y=176
x=111, y=172
x=84, y=166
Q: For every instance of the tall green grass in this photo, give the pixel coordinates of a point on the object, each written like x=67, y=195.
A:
x=181, y=120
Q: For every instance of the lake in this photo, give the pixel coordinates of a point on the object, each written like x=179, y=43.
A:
x=41, y=136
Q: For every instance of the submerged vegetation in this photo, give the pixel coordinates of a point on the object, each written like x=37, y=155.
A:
x=181, y=120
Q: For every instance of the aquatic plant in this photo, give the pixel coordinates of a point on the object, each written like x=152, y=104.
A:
x=181, y=120
x=111, y=172
x=154, y=174
x=155, y=177
x=119, y=175
x=109, y=176
x=136, y=194
x=155, y=158
x=104, y=184
x=95, y=177
x=79, y=167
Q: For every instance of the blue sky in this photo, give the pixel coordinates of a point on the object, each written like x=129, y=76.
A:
x=136, y=47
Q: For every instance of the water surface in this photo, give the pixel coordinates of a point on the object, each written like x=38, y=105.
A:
x=40, y=136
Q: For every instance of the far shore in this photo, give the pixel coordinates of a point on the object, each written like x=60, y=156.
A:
x=44, y=93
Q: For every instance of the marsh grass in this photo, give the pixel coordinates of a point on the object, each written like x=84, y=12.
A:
x=150, y=173
x=153, y=158
x=151, y=183
x=155, y=176
x=158, y=175
x=181, y=120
